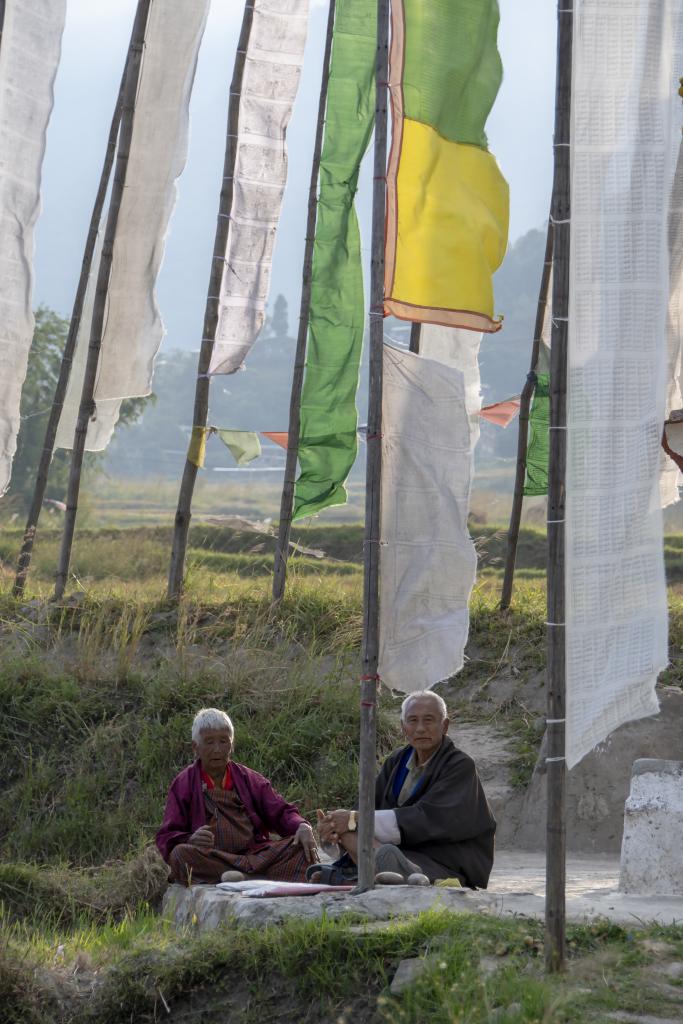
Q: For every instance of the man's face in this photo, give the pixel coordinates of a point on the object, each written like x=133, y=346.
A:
x=423, y=726
x=213, y=748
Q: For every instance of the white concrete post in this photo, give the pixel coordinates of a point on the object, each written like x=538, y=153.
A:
x=652, y=847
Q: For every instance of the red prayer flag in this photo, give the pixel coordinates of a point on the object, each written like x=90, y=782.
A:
x=280, y=437
x=502, y=413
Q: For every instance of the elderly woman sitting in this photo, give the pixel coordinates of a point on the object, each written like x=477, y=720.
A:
x=219, y=815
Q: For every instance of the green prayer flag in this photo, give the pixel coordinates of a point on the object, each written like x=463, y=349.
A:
x=328, y=441
x=536, y=481
x=244, y=445
x=452, y=68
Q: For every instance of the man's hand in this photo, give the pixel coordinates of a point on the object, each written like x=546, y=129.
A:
x=333, y=825
x=203, y=838
x=304, y=838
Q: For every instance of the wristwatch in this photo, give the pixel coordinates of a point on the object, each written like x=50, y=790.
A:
x=353, y=823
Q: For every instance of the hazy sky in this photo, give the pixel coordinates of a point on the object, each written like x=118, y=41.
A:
x=95, y=42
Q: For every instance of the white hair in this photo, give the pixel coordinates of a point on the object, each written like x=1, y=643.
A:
x=420, y=695
x=211, y=718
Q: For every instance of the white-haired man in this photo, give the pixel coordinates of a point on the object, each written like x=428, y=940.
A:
x=431, y=814
x=219, y=816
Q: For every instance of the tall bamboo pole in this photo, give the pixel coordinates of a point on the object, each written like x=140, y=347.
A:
x=368, y=701
x=523, y=434
x=201, y=396
x=287, y=502
x=2, y=17
x=415, y=334
x=87, y=406
x=555, y=760
x=47, y=451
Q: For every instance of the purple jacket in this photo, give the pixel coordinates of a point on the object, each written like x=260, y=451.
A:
x=185, y=810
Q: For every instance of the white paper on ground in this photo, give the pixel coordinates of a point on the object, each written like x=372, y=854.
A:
x=625, y=131
x=133, y=328
x=272, y=71
x=29, y=56
x=427, y=559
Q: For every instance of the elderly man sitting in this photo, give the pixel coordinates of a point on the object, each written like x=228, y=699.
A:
x=431, y=816
x=219, y=815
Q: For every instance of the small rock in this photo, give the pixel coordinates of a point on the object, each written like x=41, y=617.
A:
x=673, y=971
x=658, y=948
x=503, y=1013
x=389, y=878
x=417, y=878
x=408, y=971
x=636, y=1018
x=488, y=965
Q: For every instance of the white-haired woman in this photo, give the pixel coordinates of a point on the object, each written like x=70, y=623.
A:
x=219, y=815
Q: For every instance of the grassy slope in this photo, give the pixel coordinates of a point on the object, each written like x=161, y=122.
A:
x=142, y=970
x=97, y=696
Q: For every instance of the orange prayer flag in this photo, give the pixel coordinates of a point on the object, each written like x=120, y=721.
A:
x=280, y=437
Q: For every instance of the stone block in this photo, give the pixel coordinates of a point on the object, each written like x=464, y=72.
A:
x=205, y=907
x=652, y=846
x=408, y=971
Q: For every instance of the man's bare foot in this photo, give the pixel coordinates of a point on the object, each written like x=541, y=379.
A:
x=233, y=876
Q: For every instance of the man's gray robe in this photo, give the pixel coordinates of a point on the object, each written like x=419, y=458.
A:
x=446, y=824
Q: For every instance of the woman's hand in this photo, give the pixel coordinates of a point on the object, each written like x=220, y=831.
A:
x=304, y=838
x=203, y=838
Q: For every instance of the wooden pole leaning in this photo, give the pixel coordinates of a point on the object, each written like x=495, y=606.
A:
x=201, y=397
x=47, y=450
x=87, y=405
x=2, y=18
x=369, y=679
x=287, y=502
x=556, y=768
x=523, y=434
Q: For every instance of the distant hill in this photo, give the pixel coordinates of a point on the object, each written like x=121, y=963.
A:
x=258, y=397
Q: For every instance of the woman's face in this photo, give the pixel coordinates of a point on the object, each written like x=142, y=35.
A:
x=213, y=748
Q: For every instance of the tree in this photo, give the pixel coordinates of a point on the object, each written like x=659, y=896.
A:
x=44, y=361
x=279, y=321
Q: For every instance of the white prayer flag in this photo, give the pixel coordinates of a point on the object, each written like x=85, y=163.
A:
x=133, y=327
x=29, y=55
x=625, y=131
x=275, y=55
x=427, y=558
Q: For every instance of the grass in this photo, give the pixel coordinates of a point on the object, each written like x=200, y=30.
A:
x=477, y=969
x=97, y=695
x=87, y=758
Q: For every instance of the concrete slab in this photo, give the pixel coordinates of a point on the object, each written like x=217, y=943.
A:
x=517, y=889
